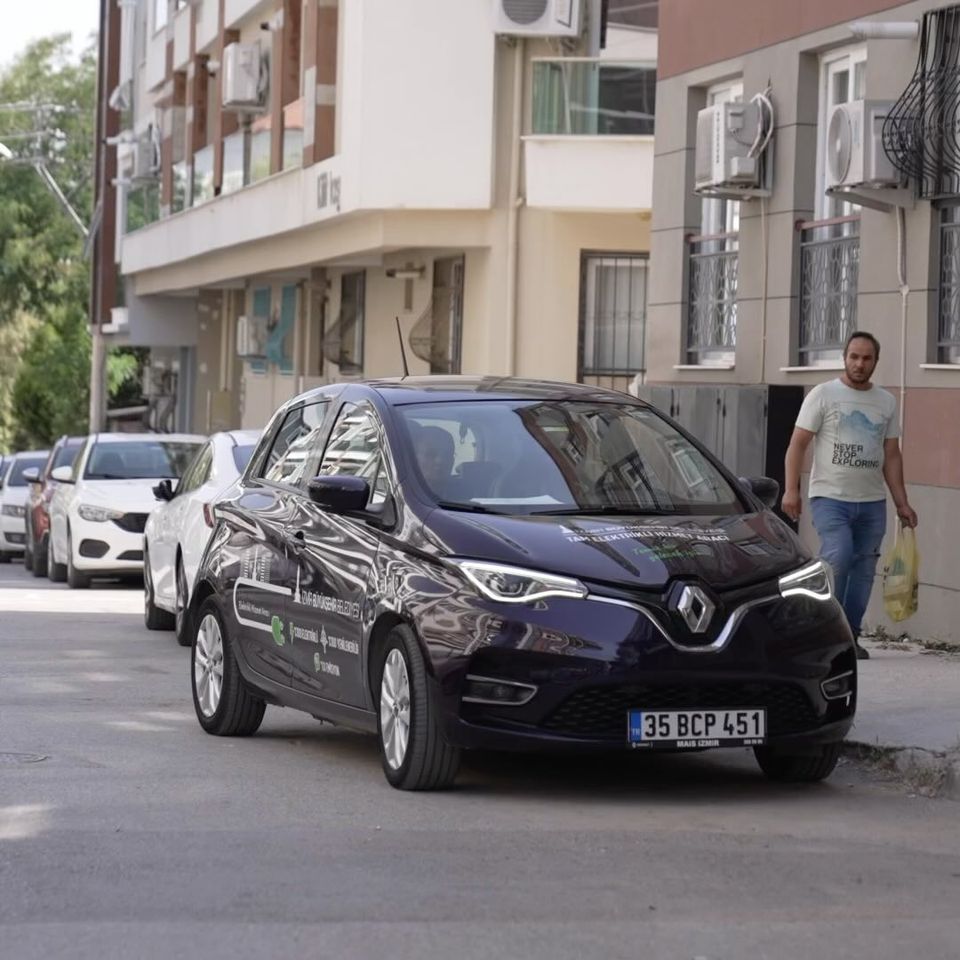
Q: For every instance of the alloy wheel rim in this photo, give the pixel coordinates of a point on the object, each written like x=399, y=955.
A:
x=208, y=665
x=395, y=709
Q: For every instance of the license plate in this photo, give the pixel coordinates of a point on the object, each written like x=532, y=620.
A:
x=696, y=729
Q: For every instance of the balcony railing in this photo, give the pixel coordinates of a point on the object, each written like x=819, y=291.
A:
x=829, y=273
x=202, y=176
x=259, y=156
x=234, y=176
x=714, y=267
x=181, y=187
x=589, y=97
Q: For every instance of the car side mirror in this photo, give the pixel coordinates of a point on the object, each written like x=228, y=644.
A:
x=340, y=493
x=164, y=490
x=31, y=475
x=62, y=475
x=765, y=489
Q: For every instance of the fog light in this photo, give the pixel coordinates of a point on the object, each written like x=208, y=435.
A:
x=838, y=687
x=506, y=693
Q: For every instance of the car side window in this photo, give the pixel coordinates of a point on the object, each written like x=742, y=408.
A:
x=300, y=432
x=198, y=471
x=356, y=448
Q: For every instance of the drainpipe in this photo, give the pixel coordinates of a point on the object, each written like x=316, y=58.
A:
x=515, y=201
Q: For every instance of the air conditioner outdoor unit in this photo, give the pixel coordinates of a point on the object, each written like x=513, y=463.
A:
x=246, y=77
x=855, y=156
x=726, y=134
x=147, y=155
x=537, y=18
x=252, y=335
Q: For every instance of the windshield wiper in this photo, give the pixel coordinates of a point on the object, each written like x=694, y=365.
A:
x=603, y=510
x=467, y=507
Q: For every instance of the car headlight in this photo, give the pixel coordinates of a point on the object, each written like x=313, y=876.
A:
x=814, y=580
x=13, y=510
x=98, y=514
x=516, y=585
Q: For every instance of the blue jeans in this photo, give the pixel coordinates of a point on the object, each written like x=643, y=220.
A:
x=850, y=537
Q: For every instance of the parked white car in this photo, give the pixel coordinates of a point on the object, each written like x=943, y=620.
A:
x=181, y=524
x=100, y=510
x=13, y=501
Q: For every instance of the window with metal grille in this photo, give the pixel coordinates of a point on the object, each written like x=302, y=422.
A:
x=613, y=313
x=948, y=309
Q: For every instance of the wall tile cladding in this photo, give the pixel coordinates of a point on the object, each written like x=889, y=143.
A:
x=730, y=28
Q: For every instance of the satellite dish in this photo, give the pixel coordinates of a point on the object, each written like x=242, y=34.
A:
x=839, y=144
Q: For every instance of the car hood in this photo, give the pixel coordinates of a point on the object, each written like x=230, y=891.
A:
x=131, y=496
x=637, y=552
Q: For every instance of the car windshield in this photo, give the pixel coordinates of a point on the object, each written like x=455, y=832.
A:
x=558, y=457
x=139, y=459
x=242, y=455
x=21, y=464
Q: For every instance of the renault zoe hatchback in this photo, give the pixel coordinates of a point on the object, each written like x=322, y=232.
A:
x=503, y=564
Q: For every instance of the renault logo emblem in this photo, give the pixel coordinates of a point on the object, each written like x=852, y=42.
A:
x=696, y=608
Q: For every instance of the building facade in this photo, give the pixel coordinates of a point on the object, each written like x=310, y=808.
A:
x=751, y=296
x=293, y=178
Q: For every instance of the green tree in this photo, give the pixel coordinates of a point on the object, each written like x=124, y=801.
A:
x=47, y=104
x=47, y=114
x=15, y=337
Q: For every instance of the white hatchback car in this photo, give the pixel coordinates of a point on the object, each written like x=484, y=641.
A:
x=181, y=524
x=13, y=501
x=98, y=514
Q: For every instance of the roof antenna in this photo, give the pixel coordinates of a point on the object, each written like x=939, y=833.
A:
x=403, y=353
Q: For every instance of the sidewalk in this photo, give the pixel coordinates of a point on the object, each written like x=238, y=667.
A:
x=908, y=708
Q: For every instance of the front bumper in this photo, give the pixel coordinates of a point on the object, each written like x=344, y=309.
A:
x=105, y=547
x=591, y=663
x=12, y=534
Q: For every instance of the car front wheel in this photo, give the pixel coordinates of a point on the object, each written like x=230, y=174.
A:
x=154, y=618
x=39, y=568
x=75, y=578
x=225, y=705
x=809, y=767
x=57, y=572
x=413, y=750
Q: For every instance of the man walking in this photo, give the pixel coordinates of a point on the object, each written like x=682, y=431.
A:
x=857, y=448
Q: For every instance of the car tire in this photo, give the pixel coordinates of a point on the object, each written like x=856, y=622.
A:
x=5, y=557
x=784, y=767
x=76, y=580
x=39, y=568
x=234, y=710
x=181, y=621
x=57, y=572
x=154, y=617
x=28, y=551
x=425, y=761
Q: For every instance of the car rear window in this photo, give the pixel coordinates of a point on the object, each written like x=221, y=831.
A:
x=242, y=455
x=139, y=459
x=24, y=463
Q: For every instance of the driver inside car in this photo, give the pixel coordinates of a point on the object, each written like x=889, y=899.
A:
x=435, y=454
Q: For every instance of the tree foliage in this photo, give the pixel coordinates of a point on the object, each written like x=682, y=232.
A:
x=47, y=114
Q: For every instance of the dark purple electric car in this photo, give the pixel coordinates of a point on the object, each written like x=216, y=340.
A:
x=460, y=563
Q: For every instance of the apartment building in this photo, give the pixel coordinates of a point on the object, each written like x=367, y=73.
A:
x=830, y=151
x=288, y=179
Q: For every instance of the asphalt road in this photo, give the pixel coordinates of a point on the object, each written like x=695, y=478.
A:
x=138, y=835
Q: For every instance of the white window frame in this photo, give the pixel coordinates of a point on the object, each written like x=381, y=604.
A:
x=832, y=63
x=160, y=19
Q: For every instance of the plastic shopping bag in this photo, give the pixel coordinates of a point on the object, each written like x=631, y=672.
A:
x=901, y=575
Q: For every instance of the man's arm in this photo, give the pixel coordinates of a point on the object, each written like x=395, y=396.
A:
x=893, y=474
x=793, y=465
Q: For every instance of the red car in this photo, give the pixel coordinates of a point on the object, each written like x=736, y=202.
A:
x=42, y=489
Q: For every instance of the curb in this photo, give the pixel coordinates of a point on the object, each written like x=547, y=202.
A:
x=928, y=771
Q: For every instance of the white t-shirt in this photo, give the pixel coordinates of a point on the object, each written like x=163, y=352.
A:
x=850, y=427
